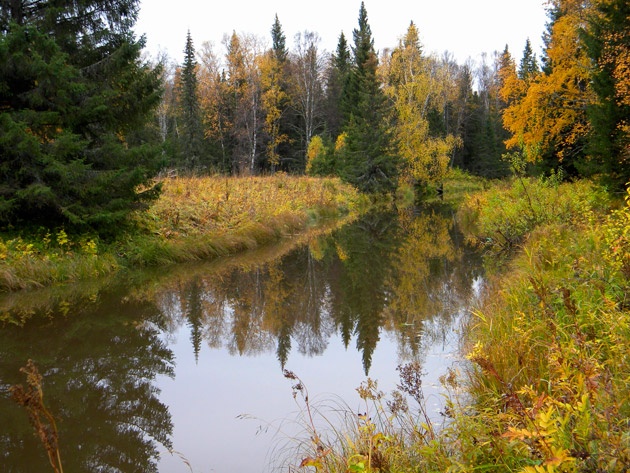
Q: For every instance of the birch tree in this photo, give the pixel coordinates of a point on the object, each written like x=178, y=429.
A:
x=307, y=87
x=417, y=85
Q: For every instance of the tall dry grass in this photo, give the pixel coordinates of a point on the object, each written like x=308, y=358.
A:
x=201, y=218
x=195, y=218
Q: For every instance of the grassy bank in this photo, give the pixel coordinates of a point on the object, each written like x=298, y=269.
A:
x=194, y=218
x=546, y=382
x=551, y=357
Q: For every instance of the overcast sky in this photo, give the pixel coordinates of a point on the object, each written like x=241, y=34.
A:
x=466, y=28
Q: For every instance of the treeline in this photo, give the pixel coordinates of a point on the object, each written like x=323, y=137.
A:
x=86, y=123
x=372, y=120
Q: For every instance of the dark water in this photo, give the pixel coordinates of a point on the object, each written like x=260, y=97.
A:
x=181, y=369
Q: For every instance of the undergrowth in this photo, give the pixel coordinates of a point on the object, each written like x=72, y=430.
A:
x=501, y=217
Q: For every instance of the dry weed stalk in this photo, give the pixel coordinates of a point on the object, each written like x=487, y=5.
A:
x=32, y=399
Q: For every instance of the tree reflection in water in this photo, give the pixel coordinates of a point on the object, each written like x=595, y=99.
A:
x=100, y=353
x=389, y=271
x=98, y=366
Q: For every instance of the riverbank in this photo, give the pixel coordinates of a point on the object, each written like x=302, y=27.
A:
x=194, y=219
x=544, y=384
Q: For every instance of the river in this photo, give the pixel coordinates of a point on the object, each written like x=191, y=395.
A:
x=182, y=369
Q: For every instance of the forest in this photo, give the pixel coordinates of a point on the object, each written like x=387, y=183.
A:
x=110, y=158
x=88, y=122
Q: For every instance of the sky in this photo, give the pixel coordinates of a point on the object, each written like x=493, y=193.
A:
x=465, y=28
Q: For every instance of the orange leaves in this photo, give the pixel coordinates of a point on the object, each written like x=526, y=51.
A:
x=550, y=112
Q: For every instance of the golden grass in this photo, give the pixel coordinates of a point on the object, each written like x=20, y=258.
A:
x=193, y=206
x=195, y=218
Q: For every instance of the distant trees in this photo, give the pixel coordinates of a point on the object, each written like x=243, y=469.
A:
x=75, y=99
x=371, y=121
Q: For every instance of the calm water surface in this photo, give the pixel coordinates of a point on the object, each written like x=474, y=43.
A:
x=182, y=368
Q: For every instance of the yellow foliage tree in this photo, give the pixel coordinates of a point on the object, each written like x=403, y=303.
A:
x=274, y=99
x=548, y=113
x=415, y=85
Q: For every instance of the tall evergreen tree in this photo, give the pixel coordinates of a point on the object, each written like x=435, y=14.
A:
x=336, y=79
x=528, y=67
x=73, y=96
x=365, y=63
x=554, y=13
x=608, y=45
x=278, y=39
x=368, y=160
x=192, y=134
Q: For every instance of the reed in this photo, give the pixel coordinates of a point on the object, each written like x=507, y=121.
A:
x=31, y=398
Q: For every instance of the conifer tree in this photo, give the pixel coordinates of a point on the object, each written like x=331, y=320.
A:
x=336, y=79
x=528, y=67
x=368, y=160
x=279, y=46
x=74, y=96
x=191, y=135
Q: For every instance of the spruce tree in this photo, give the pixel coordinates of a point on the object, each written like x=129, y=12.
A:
x=368, y=160
x=74, y=95
x=278, y=39
x=528, y=67
x=336, y=80
x=276, y=100
x=191, y=135
x=608, y=45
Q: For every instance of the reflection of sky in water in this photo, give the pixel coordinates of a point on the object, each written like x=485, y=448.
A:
x=206, y=397
x=417, y=282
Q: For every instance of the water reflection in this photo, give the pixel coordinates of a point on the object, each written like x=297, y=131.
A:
x=97, y=366
x=405, y=274
x=389, y=272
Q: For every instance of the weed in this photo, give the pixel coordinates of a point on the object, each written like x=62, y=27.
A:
x=32, y=399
